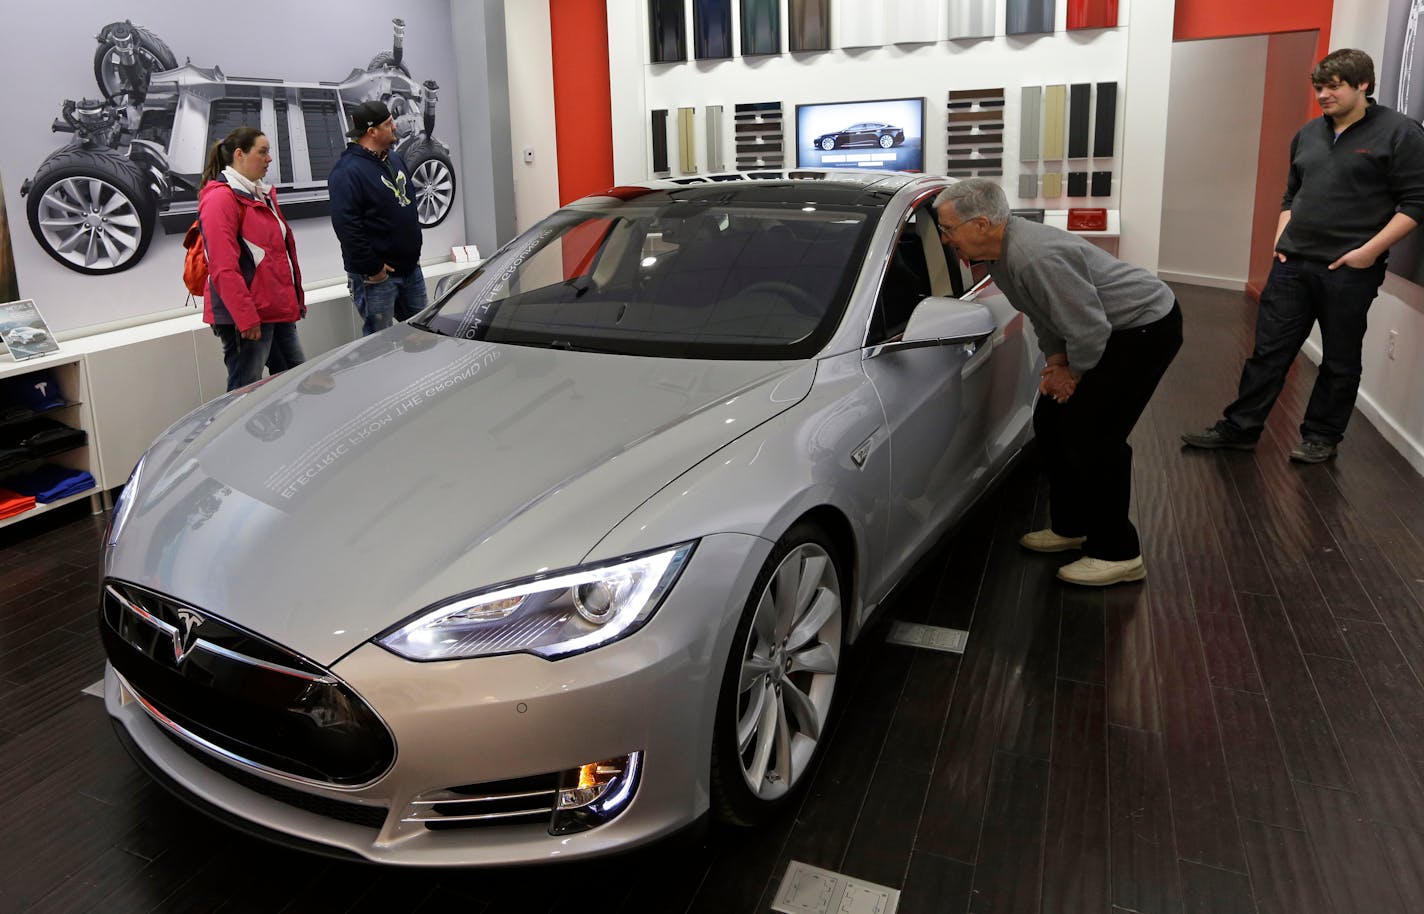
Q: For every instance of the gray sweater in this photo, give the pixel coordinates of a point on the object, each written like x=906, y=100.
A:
x=1073, y=291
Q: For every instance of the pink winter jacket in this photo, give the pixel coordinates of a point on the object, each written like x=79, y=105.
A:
x=253, y=279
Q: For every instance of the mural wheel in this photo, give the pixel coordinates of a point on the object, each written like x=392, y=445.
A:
x=887, y=141
x=108, y=72
x=828, y=143
x=432, y=176
x=91, y=211
x=384, y=59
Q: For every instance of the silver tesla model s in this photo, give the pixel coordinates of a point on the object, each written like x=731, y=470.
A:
x=574, y=557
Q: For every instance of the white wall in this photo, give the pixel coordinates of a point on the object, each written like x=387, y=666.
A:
x=531, y=111
x=1212, y=145
x=1392, y=389
x=482, y=78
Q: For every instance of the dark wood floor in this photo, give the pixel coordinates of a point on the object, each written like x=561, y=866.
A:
x=1242, y=732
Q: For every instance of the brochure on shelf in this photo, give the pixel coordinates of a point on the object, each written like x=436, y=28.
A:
x=24, y=332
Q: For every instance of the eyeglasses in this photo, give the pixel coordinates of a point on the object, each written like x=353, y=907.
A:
x=948, y=232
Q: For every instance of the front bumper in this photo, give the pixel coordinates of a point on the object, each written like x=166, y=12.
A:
x=495, y=719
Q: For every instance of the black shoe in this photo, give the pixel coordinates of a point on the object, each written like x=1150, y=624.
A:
x=1214, y=437
x=1312, y=451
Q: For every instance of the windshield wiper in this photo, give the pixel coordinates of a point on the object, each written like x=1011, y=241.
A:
x=568, y=346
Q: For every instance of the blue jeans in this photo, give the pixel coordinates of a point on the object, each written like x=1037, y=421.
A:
x=399, y=297
x=1297, y=294
x=278, y=349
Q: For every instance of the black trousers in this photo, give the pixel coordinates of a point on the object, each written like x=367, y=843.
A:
x=1297, y=294
x=1083, y=442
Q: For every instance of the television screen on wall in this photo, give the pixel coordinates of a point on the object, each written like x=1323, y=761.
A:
x=886, y=135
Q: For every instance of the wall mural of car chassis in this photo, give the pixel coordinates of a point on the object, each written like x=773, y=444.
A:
x=136, y=158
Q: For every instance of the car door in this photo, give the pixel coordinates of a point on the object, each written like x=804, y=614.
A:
x=1011, y=373
x=934, y=397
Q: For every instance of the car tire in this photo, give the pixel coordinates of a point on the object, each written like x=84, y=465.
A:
x=384, y=59
x=432, y=178
x=91, y=211
x=777, y=691
x=828, y=143
x=153, y=50
x=886, y=141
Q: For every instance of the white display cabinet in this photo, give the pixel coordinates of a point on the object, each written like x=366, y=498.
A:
x=67, y=369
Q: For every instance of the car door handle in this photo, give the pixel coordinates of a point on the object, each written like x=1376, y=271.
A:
x=978, y=350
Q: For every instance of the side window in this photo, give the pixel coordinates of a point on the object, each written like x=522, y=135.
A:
x=910, y=276
x=958, y=276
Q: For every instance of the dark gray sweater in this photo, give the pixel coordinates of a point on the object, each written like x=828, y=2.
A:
x=1341, y=192
x=1075, y=293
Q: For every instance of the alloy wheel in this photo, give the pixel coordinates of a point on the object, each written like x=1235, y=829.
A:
x=788, y=671
x=434, y=190
x=89, y=222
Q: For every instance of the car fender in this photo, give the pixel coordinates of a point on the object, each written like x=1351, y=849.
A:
x=817, y=454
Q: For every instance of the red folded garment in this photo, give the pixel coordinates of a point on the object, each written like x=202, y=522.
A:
x=12, y=503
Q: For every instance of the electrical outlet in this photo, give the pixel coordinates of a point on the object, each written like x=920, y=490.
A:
x=1390, y=343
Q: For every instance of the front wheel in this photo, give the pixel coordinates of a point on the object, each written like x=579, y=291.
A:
x=777, y=690
x=828, y=143
x=91, y=211
x=432, y=177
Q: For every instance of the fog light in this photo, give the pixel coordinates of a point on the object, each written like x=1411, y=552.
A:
x=595, y=793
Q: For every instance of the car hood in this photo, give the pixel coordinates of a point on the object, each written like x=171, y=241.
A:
x=325, y=505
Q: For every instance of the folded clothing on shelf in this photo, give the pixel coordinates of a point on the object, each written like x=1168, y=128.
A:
x=51, y=482
x=39, y=437
x=12, y=503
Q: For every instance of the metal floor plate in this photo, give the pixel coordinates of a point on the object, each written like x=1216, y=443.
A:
x=934, y=637
x=811, y=890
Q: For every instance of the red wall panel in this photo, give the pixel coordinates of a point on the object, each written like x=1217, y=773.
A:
x=1285, y=107
x=1229, y=18
x=1092, y=14
x=583, y=109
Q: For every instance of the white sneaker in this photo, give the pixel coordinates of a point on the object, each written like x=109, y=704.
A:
x=1046, y=540
x=1093, y=572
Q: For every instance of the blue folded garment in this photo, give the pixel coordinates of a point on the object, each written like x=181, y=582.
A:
x=51, y=483
x=37, y=390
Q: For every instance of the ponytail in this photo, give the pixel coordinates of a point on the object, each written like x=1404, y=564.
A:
x=220, y=156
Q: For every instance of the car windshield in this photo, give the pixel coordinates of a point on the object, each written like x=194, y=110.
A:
x=681, y=280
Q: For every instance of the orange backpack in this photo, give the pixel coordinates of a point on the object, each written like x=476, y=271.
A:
x=195, y=262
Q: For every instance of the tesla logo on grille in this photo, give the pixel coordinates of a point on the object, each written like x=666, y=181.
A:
x=185, y=635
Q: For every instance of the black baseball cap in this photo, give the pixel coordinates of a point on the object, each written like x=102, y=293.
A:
x=367, y=115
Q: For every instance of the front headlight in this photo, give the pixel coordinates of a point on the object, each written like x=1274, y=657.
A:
x=552, y=615
x=124, y=503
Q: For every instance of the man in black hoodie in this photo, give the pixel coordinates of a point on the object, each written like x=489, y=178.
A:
x=373, y=212
x=1356, y=186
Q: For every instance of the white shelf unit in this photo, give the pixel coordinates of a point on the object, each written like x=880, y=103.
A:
x=68, y=371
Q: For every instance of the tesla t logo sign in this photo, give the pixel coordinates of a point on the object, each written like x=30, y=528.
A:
x=185, y=635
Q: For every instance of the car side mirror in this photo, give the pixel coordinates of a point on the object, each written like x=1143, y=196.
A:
x=948, y=320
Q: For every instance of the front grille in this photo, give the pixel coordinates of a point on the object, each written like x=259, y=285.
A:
x=519, y=801
x=354, y=813
x=247, y=697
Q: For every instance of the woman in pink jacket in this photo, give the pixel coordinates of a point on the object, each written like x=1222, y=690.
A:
x=254, y=284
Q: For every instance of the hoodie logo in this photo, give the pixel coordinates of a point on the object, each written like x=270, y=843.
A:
x=397, y=188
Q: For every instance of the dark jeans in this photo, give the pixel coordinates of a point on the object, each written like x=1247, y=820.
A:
x=1297, y=294
x=1083, y=441
x=278, y=349
x=399, y=297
